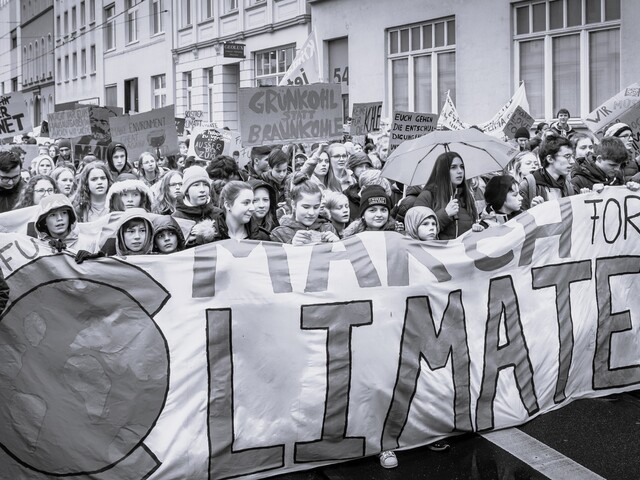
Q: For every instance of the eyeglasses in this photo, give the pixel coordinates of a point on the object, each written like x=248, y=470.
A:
x=9, y=179
x=42, y=191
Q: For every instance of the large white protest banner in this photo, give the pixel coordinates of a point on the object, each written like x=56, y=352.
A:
x=14, y=115
x=247, y=359
x=308, y=113
x=153, y=131
x=305, y=68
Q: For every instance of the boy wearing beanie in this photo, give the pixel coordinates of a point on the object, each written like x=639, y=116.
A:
x=522, y=138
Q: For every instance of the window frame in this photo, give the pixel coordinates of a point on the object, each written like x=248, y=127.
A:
x=110, y=26
x=584, y=30
x=279, y=72
x=159, y=92
x=449, y=46
x=157, y=20
x=131, y=22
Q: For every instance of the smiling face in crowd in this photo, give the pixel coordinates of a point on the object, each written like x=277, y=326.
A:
x=307, y=208
x=376, y=217
x=242, y=208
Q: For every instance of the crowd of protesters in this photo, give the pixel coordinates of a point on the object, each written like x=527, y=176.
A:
x=297, y=195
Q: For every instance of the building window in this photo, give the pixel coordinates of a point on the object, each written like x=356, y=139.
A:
x=271, y=65
x=83, y=14
x=567, y=54
x=14, y=84
x=131, y=21
x=14, y=38
x=159, y=86
x=93, y=59
x=83, y=61
x=66, y=23
x=66, y=68
x=111, y=95
x=110, y=28
x=59, y=69
x=256, y=2
x=422, y=65
x=209, y=77
x=74, y=20
x=186, y=10
x=92, y=11
x=75, y=65
x=230, y=5
x=207, y=9
x=58, y=26
x=131, y=95
x=157, y=25
x=189, y=86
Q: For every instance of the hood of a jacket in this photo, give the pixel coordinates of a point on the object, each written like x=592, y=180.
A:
x=130, y=184
x=46, y=206
x=131, y=214
x=415, y=217
x=111, y=148
x=167, y=222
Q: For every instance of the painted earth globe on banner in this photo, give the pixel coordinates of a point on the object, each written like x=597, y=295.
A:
x=84, y=369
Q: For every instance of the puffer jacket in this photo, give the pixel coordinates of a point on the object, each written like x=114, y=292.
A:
x=288, y=228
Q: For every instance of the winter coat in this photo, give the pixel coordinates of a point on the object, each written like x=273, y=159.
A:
x=490, y=218
x=254, y=232
x=288, y=228
x=540, y=183
x=267, y=177
x=207, y=211
x=167, y=222
x=568, y=133
x=358, y=226
x=9, y=196
x=449, y=227
x=588, y=173
x=400, y=210
x=130, y=184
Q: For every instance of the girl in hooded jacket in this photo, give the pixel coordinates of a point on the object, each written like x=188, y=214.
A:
x=56, y=225
x=304, y=226
x=421, y=223
x=168, y=236
x=134, y=235
x=42, y=165
x=129, y=193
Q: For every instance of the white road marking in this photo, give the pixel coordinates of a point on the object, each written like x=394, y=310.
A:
x=539, y=456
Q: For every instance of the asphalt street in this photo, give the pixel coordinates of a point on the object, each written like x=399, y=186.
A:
x=587, y=439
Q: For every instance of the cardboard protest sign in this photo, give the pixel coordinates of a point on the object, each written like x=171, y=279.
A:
x=415, y=340
x=193, y=118
x=97, y=141
x=614, y=108
x=410, y=125
x=207, y=143
x=70, y=123
x=270, y=115
x=153, y=131
x=365, y=118
x=14, y=115
x=519, y=118
x=304, y=69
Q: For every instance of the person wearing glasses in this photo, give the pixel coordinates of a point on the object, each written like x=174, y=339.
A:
x=551, y=181
x=338, y=158
x=11, y=183
x=38, y=188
